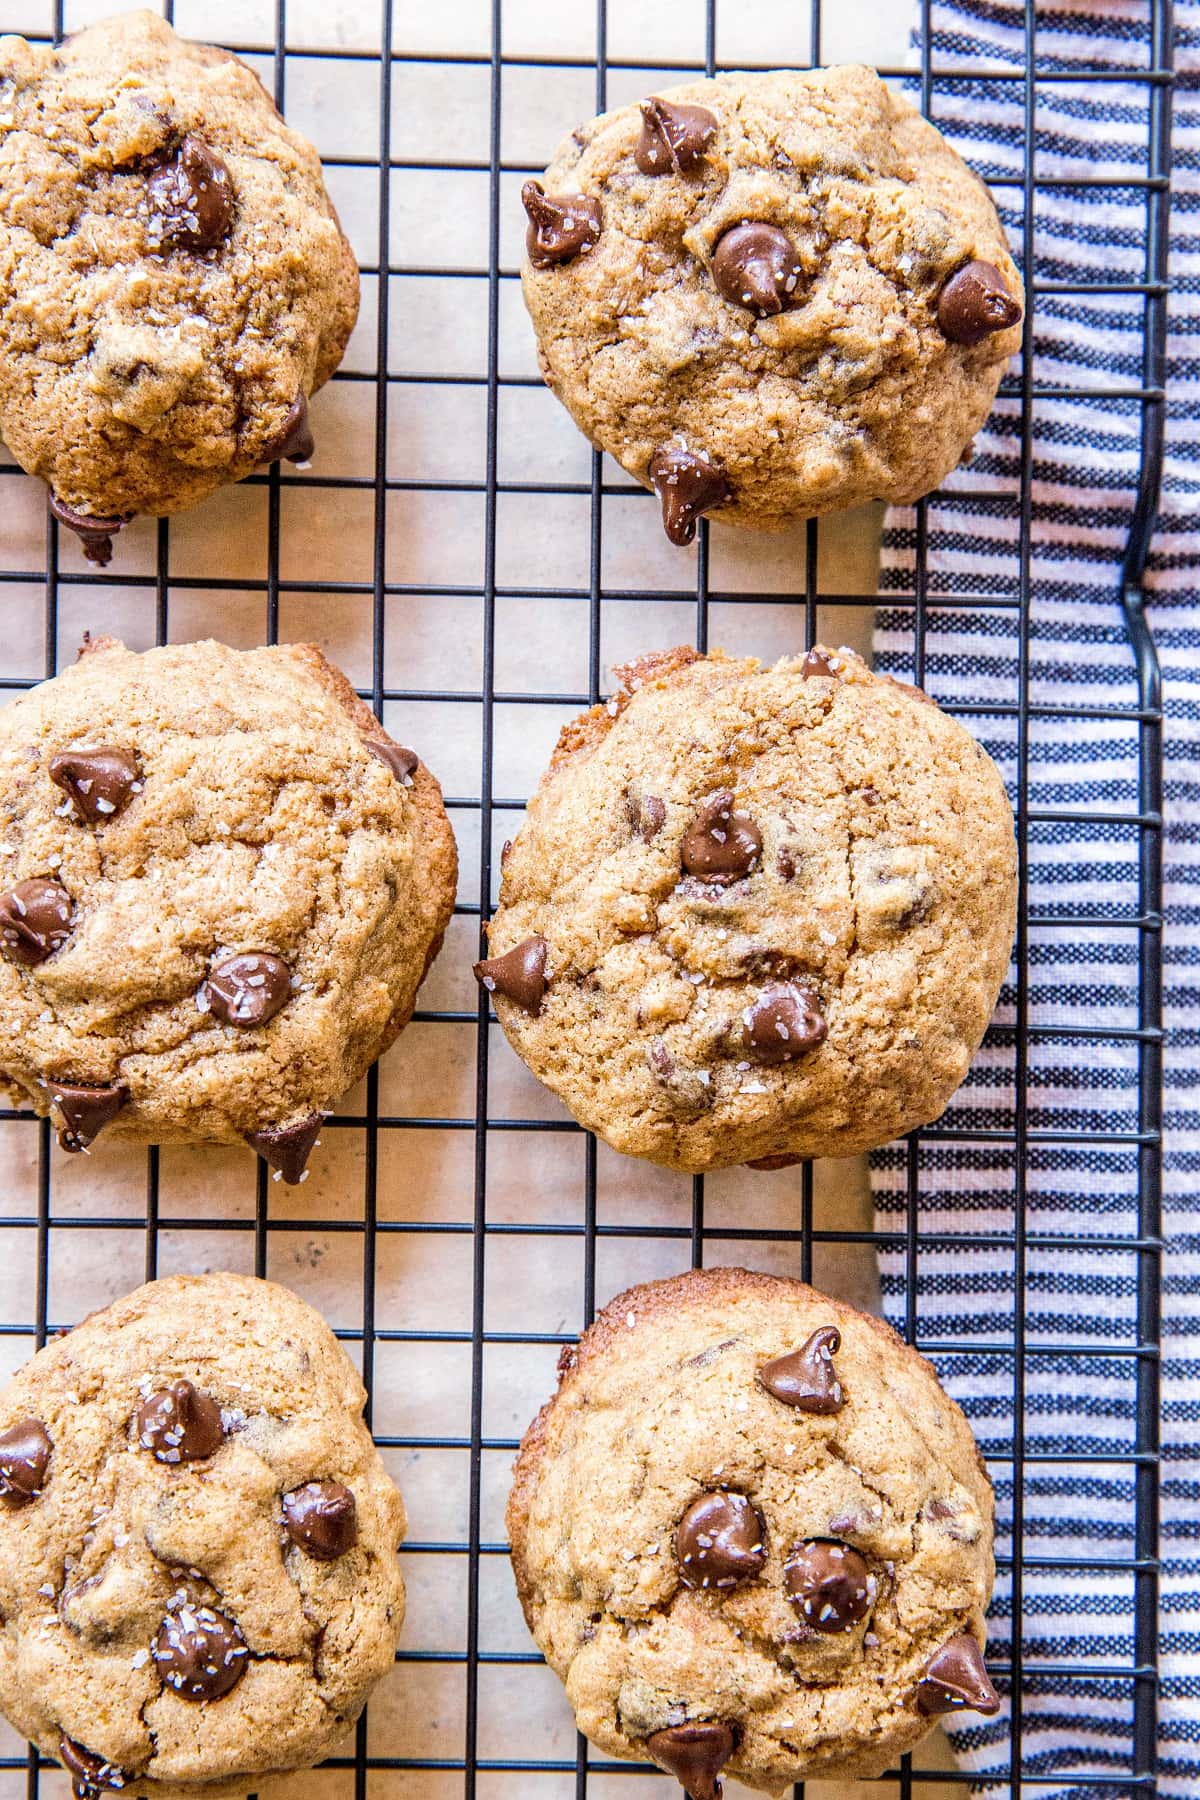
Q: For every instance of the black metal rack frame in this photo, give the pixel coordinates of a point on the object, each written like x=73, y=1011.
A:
x=464, y=1666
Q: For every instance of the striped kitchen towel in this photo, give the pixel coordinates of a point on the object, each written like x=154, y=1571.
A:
x=1078, y=1417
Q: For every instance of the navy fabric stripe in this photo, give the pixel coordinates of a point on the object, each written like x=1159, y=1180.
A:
x=1077, y=1301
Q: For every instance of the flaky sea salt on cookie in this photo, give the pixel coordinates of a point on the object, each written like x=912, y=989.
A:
x=756, y=914
x=198, y=1573
x=753, y=1536
x=221, y=884
x=770, y=295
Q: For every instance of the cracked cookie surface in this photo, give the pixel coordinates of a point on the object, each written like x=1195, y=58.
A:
x=130, y=1580
x=247, y=879
x=173, y=278
x=775, y=907
x=650, y=334
x=804, y=1670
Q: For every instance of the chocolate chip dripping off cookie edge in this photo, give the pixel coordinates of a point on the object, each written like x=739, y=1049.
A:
x=688, y=484
x=94, y=532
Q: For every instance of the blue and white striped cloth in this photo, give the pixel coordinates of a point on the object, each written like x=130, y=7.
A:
x=1080, y=1402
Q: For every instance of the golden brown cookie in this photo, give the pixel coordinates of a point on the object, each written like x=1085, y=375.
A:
x=174, y=283
x=198, y=1574
x=753, y=1535
x=770, y=295
x=221, y=884
x=756, y=914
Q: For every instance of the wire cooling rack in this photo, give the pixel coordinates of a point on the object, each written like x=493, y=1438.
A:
x=465, y=1713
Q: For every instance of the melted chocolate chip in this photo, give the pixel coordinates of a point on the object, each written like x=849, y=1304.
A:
x=806, y=1378
x=24, y=1457
x=756, y=265
x=782, y=1160
x=247, y=989
x=719, y=1541
x=200, y=1653
x=35, y=921
x=322, y=1518
x=646, y=814
x=785, y=1022
x=674, y=136
x=84, y=1111
x=687, y=484
x=974, y=303
x=287, y=1147
x=721, y=845
x=179, y=1423
x=829, y=1584
x=815, y=663
x=395, y=757
x=191, y=199
x=520, y=974
x=89, y=1772
x=95, y=534
x=695, y=1756
x=955, y=1680
x=561, y=226
x=99, y=783
x=294, y=441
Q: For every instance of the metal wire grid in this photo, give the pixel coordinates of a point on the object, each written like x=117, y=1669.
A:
x=698, y=1237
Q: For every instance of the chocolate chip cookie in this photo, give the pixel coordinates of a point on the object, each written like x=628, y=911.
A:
x=753, y=1536
x=756, y=914
x=198, y=1574
x=174, y=283
x=770, y=295
x=221, y=884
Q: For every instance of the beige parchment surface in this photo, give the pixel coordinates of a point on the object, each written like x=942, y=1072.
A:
x=437, y=432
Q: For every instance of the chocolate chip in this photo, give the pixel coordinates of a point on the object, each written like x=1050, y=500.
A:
x=94, y=533
x=179, y=1423
x=395, y=757
x=520, y=974
x=785, y=1022
x=805, y=1378
x=829, y=1584
x=719, y=1541
x=322, y=1518
x=757, y=265
x=694, y=1755
x=294, y=442
x=24, y=1456
x=785, y=863
x=646, y=814
x=674, y=136
x=688, y=484
x=815, y=663
x=955, y=1680
x=287, y=1147
x=99, y=783
x=35, y=921
x=200, y=1653
x=721, y=845
x=84, y=1111
x=191, y=199
x=561, y=226
x=770, y=1163
x=660, y=1059
x=89, y=1772
x=247, y=989
x=974, y=303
